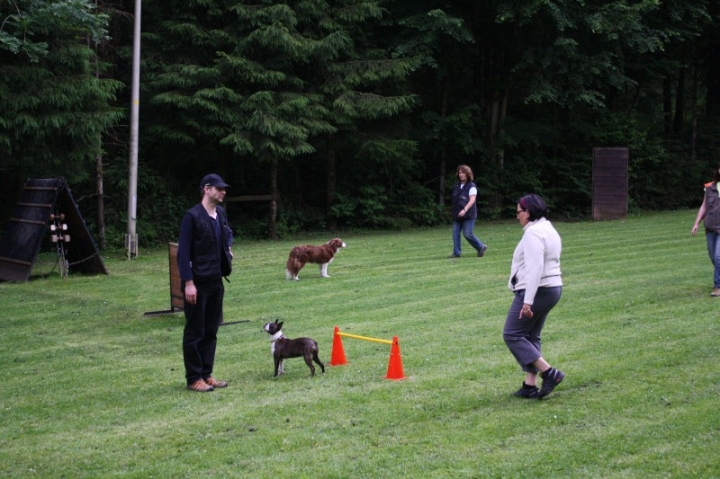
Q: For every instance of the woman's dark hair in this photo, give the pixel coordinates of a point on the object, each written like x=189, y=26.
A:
x=465, y=169
x=534, y=205
x=716, y=174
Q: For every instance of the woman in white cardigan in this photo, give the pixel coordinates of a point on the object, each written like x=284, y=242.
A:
x=536, y=281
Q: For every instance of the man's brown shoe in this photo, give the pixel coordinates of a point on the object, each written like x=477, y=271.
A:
x=200, y=386
x=211, y=381
x=715, y=292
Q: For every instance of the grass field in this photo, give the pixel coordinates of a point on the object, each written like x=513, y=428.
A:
x=93, y=388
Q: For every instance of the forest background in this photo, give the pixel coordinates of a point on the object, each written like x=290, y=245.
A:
x=355, y=114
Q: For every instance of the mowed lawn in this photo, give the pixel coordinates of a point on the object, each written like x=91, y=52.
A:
x=93, y=388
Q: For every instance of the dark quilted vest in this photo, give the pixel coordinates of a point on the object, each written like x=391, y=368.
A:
x=460, y=199
x=712, y=208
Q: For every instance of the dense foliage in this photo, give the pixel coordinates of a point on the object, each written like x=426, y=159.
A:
x=355, y=113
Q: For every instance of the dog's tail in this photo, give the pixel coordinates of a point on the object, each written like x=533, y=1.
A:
x=293, y=265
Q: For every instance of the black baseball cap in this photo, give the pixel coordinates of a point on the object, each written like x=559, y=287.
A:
x=213, y=180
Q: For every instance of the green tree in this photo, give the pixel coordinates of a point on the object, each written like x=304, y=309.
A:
x=363, y=84
x=446, y=48
x=268, y=82
x=356, y=112
x=568, y=65
x=53, y=108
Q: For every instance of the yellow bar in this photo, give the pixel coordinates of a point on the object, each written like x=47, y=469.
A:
x=365, y=338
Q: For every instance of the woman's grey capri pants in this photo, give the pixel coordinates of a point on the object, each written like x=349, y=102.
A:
x=522, y=335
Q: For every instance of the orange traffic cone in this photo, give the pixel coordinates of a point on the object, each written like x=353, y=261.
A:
x=338, y=353
x=395, y=367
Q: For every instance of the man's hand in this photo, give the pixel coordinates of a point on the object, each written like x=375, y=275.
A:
x=190, y=292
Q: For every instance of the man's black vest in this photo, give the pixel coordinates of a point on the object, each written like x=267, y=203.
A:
x=209, y=260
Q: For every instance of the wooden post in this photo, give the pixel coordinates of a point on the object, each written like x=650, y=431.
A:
x=610, y=183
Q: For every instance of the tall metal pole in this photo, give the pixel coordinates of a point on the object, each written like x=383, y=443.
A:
x=131, y=241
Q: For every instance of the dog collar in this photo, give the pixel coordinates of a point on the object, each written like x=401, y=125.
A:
x=276, y=336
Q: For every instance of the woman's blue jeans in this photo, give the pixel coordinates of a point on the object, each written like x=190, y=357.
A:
x=466, y=227
x=713, y=246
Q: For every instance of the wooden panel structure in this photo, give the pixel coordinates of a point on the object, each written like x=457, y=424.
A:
x=610, y=183
x=176, y=294
x=39, y=199
x=177, y=298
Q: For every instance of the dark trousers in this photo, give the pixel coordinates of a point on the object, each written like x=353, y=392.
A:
x=202, y=321
x=522, y=335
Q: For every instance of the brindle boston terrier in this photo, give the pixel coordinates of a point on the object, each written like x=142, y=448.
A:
x=283, y=348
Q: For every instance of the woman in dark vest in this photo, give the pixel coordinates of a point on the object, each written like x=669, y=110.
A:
x=709, y=214
x=464, y=212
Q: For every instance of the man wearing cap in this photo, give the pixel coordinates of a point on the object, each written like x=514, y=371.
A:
x=204, y=257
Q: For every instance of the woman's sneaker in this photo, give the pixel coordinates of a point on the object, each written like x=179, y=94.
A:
x=551, y=378
x=529, y=392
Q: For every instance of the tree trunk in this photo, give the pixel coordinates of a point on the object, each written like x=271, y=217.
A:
x=497, y=113
x=501, y=127
x=492, y=117
x=693, y=108
x=272, y=220
x=99, y=172
x=667, y=105
x=99, y=177
x=443, y=155
x=712, y=102
x=679, y=104
x=443, y=174
x=331, y=181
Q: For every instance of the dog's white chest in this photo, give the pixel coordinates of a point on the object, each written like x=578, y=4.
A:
x=273, y=339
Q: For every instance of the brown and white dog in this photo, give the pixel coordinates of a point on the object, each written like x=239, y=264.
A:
x=322, y=255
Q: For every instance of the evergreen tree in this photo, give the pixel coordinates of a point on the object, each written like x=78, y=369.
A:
x=355, y=112
x=448, y=53
x=266, y=82
x=53, y=108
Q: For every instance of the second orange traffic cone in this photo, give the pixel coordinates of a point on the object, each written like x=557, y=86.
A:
x=395, y=367
x=338, y=353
